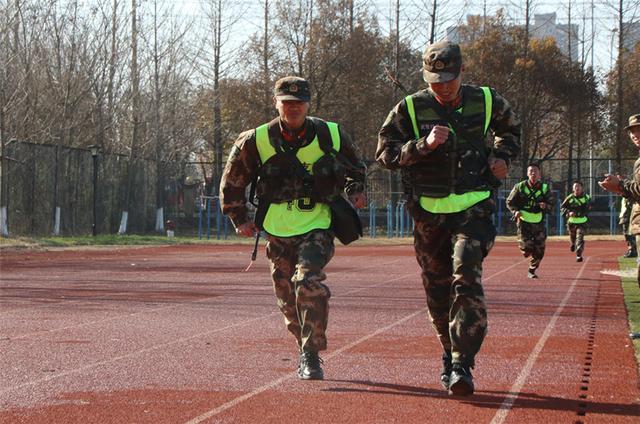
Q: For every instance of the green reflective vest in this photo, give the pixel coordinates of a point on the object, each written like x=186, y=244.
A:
x=453, y=203
x=532, y=201
x=577, y=202
x=299, y=216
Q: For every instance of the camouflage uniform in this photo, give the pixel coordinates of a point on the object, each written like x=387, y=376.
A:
x=450, y=247
x=631, y=190
x=580, y=206
x=624, y=220
x=296, y=262
x=531, y=236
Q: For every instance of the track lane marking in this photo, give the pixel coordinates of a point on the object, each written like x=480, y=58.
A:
x=173, y=342
x=514, y=392
x=275, y=383
x=163, y=308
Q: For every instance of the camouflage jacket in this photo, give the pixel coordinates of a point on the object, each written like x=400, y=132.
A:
x=631, y=190
x=243, y=165
x=398, y=148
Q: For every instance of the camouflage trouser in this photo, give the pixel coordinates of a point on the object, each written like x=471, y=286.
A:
x=576, y=236
x=638, y=259
x=296, y=270
x=531, y=240
x=630, y=239
x=450, y=249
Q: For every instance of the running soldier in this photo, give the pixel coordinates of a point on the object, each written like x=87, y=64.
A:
x=439, y=139
x=575, y=208
x=530, y=201
x=300, y=164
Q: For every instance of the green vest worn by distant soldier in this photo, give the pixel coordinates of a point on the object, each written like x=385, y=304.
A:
x=298, y=215
x=531, y=212
x=578, y=203
x=451, y=179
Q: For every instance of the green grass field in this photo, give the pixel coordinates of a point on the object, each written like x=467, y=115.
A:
x=632, y=300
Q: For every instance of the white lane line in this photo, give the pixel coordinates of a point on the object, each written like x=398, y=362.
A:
x=514, y=392
x=128, y=355
x=148, y=311
x=163, y=345
x=289, y=376
x=274, y=383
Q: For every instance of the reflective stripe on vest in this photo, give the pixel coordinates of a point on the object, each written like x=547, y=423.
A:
x=577, y=219
x=298, y=216
x=530, y=217
x=453, y=203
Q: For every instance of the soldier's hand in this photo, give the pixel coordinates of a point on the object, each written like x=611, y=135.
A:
x=499, y=168
x=358, y=200
x=611, y=183
x=437, y=136
x=542, y=205
x=517, y=215
x=248, y=229
x=572, y=214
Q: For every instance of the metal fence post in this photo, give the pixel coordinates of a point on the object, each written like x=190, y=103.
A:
x=389, y=219
x=218, y=219
x=200, y=204
x=559, y=219
x=208, y=219
x=372, y=220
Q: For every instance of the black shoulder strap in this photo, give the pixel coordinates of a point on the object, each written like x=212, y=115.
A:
x=326, y=144
x=324, y=136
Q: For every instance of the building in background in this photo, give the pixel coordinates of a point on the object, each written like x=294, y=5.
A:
x=544, y=26
x=631, y=32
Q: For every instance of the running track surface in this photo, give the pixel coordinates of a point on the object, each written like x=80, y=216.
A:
x=184, y=335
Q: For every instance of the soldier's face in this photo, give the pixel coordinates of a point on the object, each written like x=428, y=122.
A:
x=634, y=134
x=292, y=112
x=533, y=172
x=446, y=91
x=577, y=189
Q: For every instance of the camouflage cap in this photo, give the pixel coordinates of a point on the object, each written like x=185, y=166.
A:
x=292, y=88
x=441, y=62
x=634, y=121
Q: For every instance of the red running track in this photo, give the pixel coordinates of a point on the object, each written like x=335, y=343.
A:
x=183, y=335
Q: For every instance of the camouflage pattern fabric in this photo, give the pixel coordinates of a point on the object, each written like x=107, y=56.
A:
x=450, y=249
x=576, y=236
x=531, y=241
x=297, y=272
x=398, y=148
x=638, y=260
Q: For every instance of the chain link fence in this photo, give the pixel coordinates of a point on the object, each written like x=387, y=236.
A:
x=30, y=198
x=31, y=191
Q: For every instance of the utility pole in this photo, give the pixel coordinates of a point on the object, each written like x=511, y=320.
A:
x=620, y=102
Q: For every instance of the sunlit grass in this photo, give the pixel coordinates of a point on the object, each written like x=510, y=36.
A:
x=632, y=300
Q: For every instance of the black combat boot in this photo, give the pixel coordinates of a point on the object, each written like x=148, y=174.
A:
x=446, y=369
x=310, y=368
x=532, y=273
x=461, y=381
